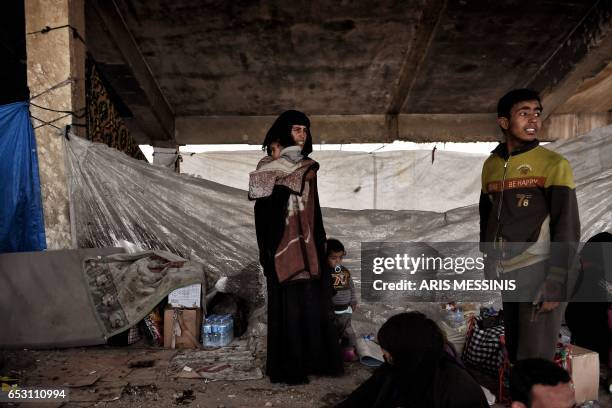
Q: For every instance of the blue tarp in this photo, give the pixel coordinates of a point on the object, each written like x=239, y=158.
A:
x=22, y=226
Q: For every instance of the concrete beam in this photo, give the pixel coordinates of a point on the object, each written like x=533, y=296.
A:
x=252, y=129
x=482, y=127
x=595, y=95
x=342, y=128
x=158, y=122
x=567, y=126
x=420, y=128
x=583, y=54
x=475, y=127
x=417, y=51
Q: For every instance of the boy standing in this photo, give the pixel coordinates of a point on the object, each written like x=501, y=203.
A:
x=528, y=204
x=344, y=299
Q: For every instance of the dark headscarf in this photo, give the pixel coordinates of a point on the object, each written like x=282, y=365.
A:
x=281, y=131
x=416, y=345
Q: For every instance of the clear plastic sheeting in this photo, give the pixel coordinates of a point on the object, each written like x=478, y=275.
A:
x=165, y=156
x=398, y=180
x=591, y=158
x=116, y=198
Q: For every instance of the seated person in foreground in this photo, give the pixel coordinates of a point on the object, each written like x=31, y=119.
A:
x=417, y=372
x=539, y=383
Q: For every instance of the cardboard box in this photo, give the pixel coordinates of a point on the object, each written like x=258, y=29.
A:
x=186, y=324
x=585, y=374
x=189, y=296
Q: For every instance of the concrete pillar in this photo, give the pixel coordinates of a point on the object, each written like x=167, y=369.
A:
x=55, y=57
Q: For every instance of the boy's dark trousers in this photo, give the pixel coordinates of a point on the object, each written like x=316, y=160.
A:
x=530, y=334
x=345, y=329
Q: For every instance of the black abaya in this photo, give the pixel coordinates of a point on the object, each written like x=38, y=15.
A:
x=301, y=336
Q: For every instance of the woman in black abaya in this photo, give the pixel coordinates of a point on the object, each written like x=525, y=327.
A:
x=291, y=239
x=417, y=372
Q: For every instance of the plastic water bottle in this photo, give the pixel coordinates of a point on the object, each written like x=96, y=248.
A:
x=208, y=338
x=230, y=329
x=218, y=330
x=458, y=319
x=369, y=337
x=225, y=330
x=206, y=329
x=215, y=332
x=454, y=318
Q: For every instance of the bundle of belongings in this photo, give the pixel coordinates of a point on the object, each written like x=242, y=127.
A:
x=83, y=297
x=181, y=320
x=112, y=296
x=86, y=297
x=484, y=341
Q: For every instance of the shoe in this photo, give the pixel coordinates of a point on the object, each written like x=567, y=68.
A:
x=348, y=354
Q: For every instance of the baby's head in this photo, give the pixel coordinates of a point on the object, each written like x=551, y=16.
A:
x=275, y=150
x=335, y=253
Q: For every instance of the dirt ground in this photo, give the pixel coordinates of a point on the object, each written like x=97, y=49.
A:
x=119, y=377
x=138, y=376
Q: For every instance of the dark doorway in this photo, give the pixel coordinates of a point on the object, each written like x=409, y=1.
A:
x=13, y=69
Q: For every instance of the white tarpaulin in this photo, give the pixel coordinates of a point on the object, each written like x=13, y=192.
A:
x=117, y=198
x=398, y=180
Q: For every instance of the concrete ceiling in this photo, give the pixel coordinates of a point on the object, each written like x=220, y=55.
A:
x=195, y=71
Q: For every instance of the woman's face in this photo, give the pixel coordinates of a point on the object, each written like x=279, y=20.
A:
x=299, y=135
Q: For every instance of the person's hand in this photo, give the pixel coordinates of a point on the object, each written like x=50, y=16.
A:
x=354, y=306
x=551, y=291
x=547, y=296
x=548, y=307
x=309, y=175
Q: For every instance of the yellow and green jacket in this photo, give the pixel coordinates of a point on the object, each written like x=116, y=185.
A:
x=527, y=197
